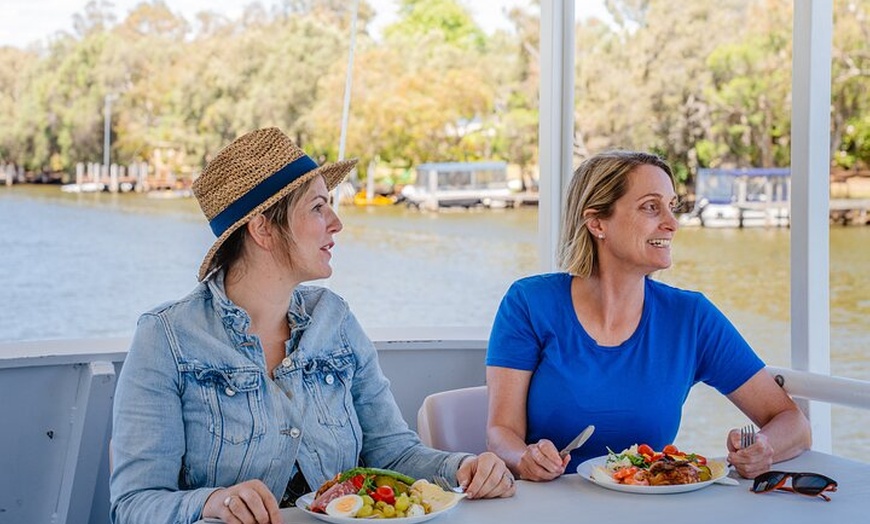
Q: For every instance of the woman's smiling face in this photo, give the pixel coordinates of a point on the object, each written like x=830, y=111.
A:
x=637, y=236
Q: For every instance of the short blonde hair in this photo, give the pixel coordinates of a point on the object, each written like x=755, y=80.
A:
x=597, y=184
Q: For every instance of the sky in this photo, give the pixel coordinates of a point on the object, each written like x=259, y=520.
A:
x=23, y=22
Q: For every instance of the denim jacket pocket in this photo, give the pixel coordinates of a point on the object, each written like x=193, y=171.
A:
x=235, y=401
x=328, y=380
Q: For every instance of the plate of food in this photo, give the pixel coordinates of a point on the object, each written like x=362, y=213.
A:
x=366, y=493
x=640, y=469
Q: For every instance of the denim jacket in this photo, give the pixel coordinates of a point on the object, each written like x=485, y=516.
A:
x=195, y=408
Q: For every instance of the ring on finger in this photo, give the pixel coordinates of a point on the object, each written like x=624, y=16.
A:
x=510, y=478
x=227, y=501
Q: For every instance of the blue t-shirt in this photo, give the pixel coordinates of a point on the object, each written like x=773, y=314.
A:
x=633, y=393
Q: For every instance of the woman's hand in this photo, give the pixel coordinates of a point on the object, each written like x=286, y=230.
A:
x=250, y=502
x=785, y=431
x=541, y=462
x=485, y=476
x=753, y=460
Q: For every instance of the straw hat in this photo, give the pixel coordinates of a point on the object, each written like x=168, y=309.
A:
x=252, y=173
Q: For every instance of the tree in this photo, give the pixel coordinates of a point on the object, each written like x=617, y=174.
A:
x=15, y=66
x=647, y=83
x=421, y=97
x=850, y=89
x=446, y=19
x=96, y=18
x=704, y=83
x=516, y=71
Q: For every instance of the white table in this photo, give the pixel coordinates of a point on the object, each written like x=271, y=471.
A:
x=572, y=499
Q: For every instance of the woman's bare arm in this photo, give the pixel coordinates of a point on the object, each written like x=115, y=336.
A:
x=506, y=427
x=785, y=431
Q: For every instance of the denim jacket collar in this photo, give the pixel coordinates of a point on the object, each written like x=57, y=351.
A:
x=237, y=321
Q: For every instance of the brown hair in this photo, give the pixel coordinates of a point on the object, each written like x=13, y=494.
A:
x=597, y=184
x=278, y=216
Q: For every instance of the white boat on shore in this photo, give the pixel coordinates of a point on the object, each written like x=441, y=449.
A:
x=85, y=187
x=732, y=215
x=169, y=194
x=746, y=197
x=459, y=184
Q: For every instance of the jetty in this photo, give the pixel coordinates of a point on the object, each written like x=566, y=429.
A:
x=848, y=211
x=751, y=197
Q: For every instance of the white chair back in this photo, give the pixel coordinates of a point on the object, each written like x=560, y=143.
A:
x=454, y=420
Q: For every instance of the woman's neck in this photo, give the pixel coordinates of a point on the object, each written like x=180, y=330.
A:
x=608, y=306
x=265, y=296
x=260, y=292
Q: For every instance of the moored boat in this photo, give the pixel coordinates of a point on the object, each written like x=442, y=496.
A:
x=458, y=184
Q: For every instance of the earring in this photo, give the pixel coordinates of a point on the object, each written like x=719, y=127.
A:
x=601, y=236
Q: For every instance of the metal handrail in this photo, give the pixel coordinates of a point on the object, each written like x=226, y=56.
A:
x=825, y=388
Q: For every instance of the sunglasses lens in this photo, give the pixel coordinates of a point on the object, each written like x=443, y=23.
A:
x=767, y=481
x=810, y=484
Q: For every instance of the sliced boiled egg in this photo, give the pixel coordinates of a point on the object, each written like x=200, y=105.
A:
x=344, y=506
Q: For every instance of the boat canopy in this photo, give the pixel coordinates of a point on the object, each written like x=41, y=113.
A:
x=756, y=184
x=463, y=175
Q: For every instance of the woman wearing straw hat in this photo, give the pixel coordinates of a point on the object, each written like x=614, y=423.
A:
x=254, y=388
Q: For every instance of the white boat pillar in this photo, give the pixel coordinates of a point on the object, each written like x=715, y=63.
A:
x=810, y=186
x=556, y=122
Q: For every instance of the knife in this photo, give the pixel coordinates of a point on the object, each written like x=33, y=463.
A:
x=578, y=441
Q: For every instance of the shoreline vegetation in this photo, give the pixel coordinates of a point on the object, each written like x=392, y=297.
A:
x=849, y=202
x=433, y=87
x=852, y=184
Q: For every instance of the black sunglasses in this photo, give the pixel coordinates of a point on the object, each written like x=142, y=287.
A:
x=812, y=484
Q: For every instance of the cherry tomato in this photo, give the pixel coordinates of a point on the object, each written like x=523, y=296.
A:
x=358, y=481
x=670, y=449
x=702, y=460
x=384, y=493
x=645, y=450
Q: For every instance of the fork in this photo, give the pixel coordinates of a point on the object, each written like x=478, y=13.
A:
x=747, y=436
x=446, y=485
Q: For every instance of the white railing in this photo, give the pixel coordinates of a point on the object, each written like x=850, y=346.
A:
x=823, y=388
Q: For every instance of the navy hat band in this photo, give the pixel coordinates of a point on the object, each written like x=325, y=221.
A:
x=260, y=193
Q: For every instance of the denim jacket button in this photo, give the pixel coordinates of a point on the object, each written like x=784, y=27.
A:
x=295, y=432
x=330, y=379
x=230, y=391
x=287, y=362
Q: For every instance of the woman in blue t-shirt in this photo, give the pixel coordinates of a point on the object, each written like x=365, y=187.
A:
x=604, y=344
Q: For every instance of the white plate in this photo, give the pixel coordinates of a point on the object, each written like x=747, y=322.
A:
x=305, y=501
x=593, y=471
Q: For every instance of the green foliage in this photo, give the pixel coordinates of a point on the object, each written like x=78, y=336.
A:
x=854, y=151
x=446, y=20
x=850, y=89
x=704, y=83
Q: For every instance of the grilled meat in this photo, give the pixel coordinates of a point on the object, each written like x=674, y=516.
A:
x=668, y=472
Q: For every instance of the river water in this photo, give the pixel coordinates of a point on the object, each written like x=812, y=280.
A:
x=85, y=266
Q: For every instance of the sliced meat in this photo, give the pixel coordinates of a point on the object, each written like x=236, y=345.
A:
x=333, y=492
